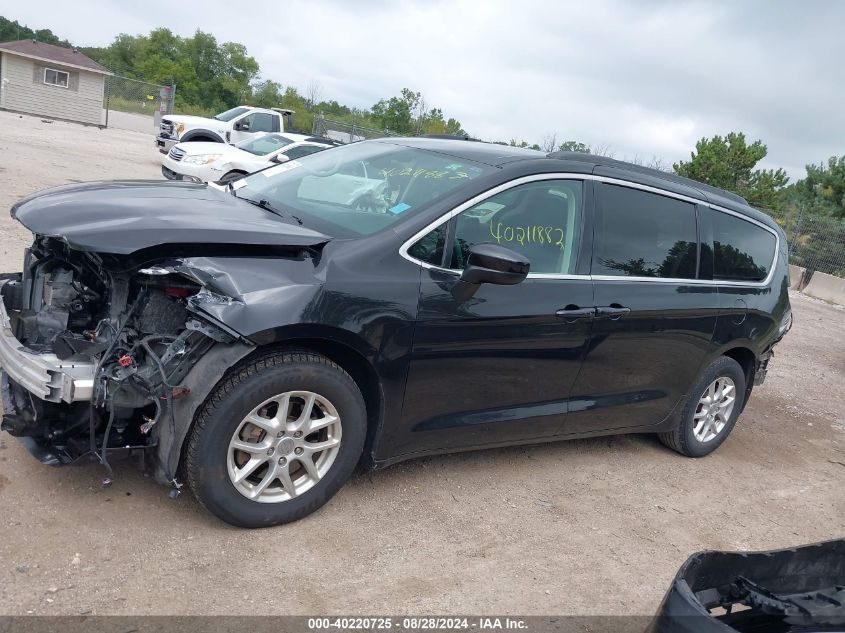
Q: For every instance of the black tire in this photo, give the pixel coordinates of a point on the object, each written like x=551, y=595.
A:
x=682, y=438
x=247, y=386
x=231, y=176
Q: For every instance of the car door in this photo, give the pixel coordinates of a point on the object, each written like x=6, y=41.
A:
x=499, y=367
x=655, y=315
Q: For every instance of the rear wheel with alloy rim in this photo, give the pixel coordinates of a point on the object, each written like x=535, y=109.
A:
x=714, y=409
x=711, y=410
x=276, y=439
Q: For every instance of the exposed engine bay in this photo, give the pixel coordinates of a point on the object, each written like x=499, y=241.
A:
x=132, y=327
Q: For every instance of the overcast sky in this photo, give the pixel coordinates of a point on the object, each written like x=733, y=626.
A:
x=645, y=77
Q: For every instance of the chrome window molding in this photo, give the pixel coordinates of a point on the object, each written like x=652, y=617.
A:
x=403, y=250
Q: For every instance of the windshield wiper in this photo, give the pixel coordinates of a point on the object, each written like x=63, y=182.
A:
x=261, y=203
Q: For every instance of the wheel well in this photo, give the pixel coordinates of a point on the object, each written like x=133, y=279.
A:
x=748, y=361
x=200, y=138
x=356, y=366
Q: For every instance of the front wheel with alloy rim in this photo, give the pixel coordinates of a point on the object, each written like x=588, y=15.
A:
x=276, y=439
x=711, y=410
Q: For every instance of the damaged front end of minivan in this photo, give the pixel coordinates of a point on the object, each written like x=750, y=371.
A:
x=109, y=342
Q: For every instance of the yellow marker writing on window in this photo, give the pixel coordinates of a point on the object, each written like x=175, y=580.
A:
x=529, y=234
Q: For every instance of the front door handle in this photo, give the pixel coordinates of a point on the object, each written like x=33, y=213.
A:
x=613, y=311
x=572, y=313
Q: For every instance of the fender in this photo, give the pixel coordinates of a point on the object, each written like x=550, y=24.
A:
x=192, y=134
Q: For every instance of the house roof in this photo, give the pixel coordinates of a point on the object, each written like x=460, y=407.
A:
x=52, y=53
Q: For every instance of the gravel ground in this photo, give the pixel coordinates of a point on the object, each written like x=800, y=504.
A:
x=594, y=526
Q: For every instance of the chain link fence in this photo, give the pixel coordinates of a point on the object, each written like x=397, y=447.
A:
x=345, y=132
x=818, y=244
x=136, y=105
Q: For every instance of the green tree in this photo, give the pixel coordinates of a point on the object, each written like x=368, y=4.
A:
x=397, y=113
x=575, y=146
x=12, y=30
x=728, y=163
x=823, y=190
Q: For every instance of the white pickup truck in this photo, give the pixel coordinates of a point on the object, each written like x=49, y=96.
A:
x=231, y=126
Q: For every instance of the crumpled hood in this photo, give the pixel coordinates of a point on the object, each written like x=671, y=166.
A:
x=122, y=217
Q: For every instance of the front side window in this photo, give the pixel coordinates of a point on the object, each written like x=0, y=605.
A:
x=540, y=220
x=56, y=77
x=259, y=122
x=263, y=145
x=742, y=251
x=642, y=234
x=361, y=188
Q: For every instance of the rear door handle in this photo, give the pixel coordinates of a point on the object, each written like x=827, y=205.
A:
x=573, y=313
x=613, y=311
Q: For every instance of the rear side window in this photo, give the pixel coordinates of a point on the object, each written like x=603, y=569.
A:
x=641, y=234
x=742, y=251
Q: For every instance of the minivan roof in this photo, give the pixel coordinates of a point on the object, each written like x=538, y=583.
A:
x=499, y=155
x=649, y=171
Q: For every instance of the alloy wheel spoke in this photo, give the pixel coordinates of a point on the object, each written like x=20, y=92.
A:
x=318, y=447
x=281, y=417
x=247, y=469
x=265, y=424
x=320, y=423
x=268, y=478
x=307, y=409
x=286, y=481
x=250, y=447
x=310, y=467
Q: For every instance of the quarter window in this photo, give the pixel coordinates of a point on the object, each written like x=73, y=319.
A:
x=742, y=251
x=429, y=248
x=641, y=234
x=540, y=220
x=55, y=77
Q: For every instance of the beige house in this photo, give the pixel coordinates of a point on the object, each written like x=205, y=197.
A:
x=51, y=81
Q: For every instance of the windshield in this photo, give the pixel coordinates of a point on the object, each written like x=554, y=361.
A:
x=361, y=188
x=228, y=115
x=264, y=145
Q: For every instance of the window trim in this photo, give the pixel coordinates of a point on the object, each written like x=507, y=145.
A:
x=55, y=70
x=750, y=281
x=446, y=217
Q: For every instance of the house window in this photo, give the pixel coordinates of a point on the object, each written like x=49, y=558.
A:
x=55, y=77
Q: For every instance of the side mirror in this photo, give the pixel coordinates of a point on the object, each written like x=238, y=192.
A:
x=280, y=158
x=490, y=264
x=242, y=126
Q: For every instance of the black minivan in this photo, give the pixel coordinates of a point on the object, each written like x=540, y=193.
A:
x=377, y=302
